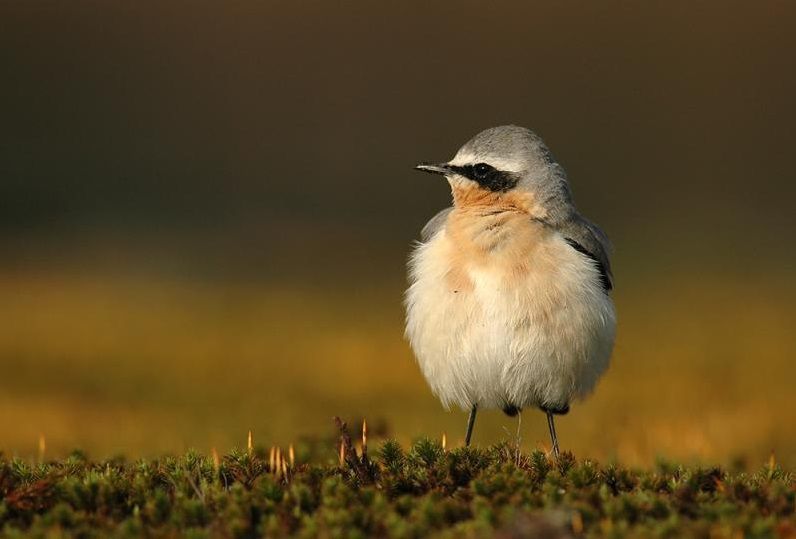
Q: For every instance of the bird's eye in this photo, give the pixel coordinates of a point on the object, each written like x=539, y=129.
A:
x=482, y=169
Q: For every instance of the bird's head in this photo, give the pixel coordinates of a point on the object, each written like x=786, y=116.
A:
x=506, y=166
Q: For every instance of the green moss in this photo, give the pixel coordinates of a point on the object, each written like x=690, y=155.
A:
x=421, y=491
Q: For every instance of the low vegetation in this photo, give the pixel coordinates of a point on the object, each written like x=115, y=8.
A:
x=389, y=491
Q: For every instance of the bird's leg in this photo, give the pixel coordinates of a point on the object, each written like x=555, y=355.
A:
x=552, y=425
x=470, y=423
x=519, y=428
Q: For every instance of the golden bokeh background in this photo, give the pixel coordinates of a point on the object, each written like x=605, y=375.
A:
x=206, y=208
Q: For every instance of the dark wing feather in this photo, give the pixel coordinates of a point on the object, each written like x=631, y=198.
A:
x=605, y=280
x=586, y=238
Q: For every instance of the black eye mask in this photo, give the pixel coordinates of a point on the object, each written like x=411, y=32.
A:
x=488, y=176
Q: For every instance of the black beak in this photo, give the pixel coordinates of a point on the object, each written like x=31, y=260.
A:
x=442, y=168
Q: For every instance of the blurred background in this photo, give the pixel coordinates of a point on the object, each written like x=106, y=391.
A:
x=206, y=209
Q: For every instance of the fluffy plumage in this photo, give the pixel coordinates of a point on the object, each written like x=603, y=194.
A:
x=508, y=304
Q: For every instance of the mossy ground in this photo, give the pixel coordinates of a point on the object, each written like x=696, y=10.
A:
x=392, y=491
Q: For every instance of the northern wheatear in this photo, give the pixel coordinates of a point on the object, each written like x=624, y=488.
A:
x=509, y=300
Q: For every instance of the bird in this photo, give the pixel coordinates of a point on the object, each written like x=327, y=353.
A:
x=509, y=299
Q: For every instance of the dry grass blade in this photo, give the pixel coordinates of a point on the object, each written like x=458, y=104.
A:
x=42, y=447
x=364, y=437
x=216, y=459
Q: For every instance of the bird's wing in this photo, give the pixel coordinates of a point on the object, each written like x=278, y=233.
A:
x=587, y=238
x=434, y=225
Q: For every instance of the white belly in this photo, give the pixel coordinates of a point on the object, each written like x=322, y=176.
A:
x=496, y=333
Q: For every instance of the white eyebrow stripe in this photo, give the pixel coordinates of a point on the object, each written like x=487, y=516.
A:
x=505, y=165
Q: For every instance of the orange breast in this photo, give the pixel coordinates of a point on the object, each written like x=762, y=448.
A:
x=492, y=230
